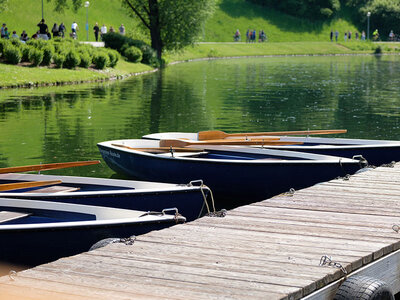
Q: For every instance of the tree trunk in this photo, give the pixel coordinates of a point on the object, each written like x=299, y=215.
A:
x=155, y=27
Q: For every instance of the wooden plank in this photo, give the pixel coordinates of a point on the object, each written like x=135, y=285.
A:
x=268, y=250
x=124, y=280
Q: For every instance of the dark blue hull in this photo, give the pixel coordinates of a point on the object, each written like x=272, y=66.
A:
x=190, y=204
x=375, y=156
x=240, y=182
x=189, y=201
x=34, y=247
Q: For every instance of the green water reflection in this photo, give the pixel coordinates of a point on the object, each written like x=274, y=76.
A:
x=359, y=93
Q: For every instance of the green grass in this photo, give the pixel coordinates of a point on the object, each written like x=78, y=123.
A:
x=286, y=36
x=285, y=48
x=14, y=76
x=26, y=14
x=241, y=14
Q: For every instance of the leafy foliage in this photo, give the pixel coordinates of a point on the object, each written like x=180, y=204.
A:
x=59, y=60
x=121, y=43
x=101, y=60
x=48, y=53
x=172, y=24
x=385, y=15
x=35, y=56
x=310, y=9
x=72, y=60
x=12, y=54
x=133, y=54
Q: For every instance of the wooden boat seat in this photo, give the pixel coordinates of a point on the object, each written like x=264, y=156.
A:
x=183, y=154
x=6, y=216
x=55, y=189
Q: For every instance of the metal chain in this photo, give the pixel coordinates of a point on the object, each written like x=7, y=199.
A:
x=289, y=193
x=389, y=165
x=12, y=275
x=327, y=261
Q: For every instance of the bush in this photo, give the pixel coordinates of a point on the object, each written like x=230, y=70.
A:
x=121, y=43
x=114, y=57
x=101, y=60
x=59, y=60
x=3, y=44
x=133, y=54
x=149, y=56
x=48, y=53
x=72, y=60
x=86, y=60
x=39, y=44
x=25, y=53
x=16, y=42
x=35, y=56
x=12, y=54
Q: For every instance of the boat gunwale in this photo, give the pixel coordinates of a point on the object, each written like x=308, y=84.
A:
x=328, y=159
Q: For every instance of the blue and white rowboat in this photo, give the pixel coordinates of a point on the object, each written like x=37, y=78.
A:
x=376, y=152
x=127, y=194
x=36, y=232
x=231, y=172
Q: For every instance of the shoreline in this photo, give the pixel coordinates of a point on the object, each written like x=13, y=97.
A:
x=199, y=52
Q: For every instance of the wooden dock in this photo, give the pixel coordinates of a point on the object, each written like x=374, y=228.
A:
x=268, y=250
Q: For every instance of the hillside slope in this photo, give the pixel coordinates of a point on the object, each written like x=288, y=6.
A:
x=241, y=14
x=228, y=16
x=26, y=14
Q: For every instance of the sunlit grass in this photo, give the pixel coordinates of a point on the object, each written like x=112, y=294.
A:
x=14, y=76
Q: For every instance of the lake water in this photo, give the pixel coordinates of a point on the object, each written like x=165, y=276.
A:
x=57, y=124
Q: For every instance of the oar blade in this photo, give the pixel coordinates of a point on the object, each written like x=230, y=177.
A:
x=211, y=135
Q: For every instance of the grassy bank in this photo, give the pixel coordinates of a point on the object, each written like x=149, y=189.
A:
x=17, y=76
x=208, y=50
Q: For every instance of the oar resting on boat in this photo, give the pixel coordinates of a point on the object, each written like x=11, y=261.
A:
x=46, y=167
x=217, y=134
x=184, y=143
x=27, y=184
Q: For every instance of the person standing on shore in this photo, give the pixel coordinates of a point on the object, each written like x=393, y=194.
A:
x=336, y=35
x=96, y=31
x=3, y=32
x=74, y=30
x=43, y=30
x=122, y=29
x=103, y=30
x=331, y=36
x=61, y=30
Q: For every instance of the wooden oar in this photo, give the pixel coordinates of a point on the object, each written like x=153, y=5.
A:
x=44, y=167
x=182, y=143
x=159, y=149
x=27, y=184
x=217, y=134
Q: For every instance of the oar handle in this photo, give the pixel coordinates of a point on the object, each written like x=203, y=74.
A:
x=303, y=132
x=27, y=184
x=44, y=167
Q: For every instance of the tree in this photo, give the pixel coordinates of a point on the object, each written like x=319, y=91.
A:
x=172, y=24
x=3, y=5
